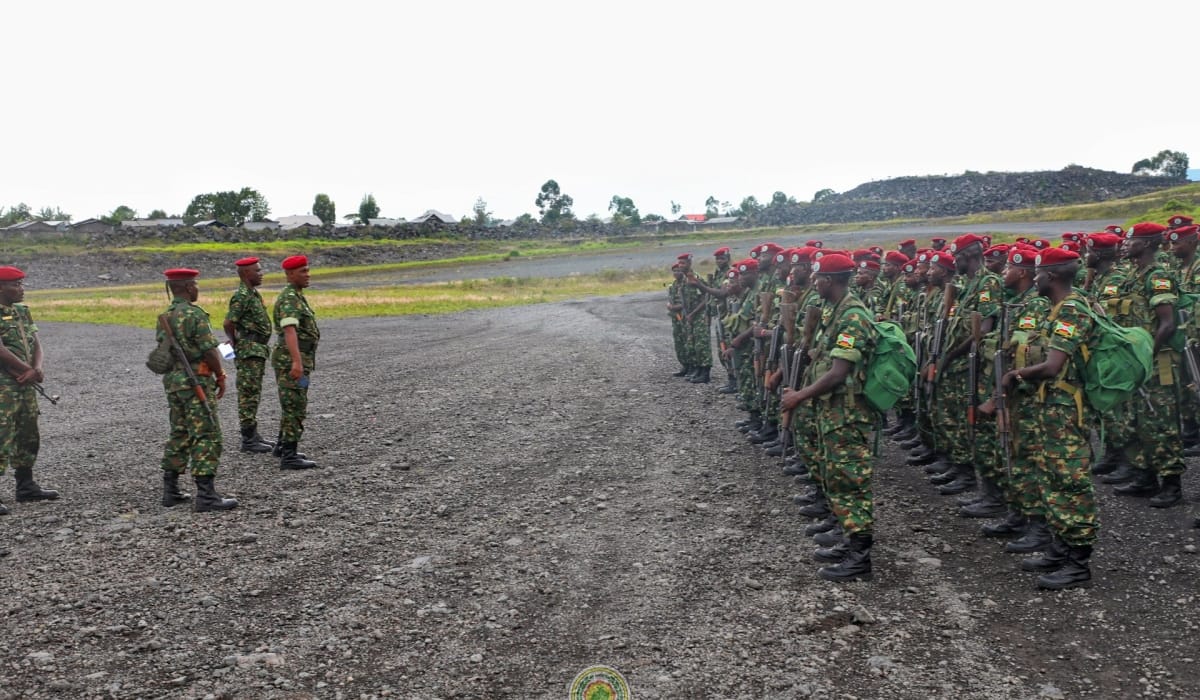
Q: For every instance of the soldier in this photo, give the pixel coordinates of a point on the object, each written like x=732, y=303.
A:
x=834, y=382
x=248, y=329
x=741, y=329
x=908, y=246
x=1182, y=240
x=718, y=309
x=937, y=244
x=21, y=360
x=995, y=258
x=1148, y=297
x=866, y=285
x=696, y=333
x=192, y=397
x=1102, y=285
x=1059, y=443
x=675, y=306
x=294, y=359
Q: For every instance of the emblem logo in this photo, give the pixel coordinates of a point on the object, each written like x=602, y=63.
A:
x=599, y=683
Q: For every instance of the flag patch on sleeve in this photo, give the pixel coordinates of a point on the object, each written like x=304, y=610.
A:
x=985, y=296
x=1161, y=284
x=1109, y=290
x=1066, y=330
x=845, y=341
x=1027, y=323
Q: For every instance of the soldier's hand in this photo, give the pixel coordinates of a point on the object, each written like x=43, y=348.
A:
x=987, y=408
x=28, y=376
x=773, y=380
x=296, y=372
x=220, y=385
x=789, y=400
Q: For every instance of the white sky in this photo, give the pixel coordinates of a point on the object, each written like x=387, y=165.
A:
x=432, y=104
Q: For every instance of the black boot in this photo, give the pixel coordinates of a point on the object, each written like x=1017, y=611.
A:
x=683, y=371
x=768, y=433
x=291, y=459
x=965, y=481
x=703, y=375
x=1012, y=525
x=277, y=450
x=818, y=510
x=1035, y=538
x=253, y=442
x=829, y=538
x=754, y=424
x=730, y=386
x=207, y=498
x=989, y=505
x=1144, y=483
x=795, y=467
x=1170, y=494
x=829, y=523
x=940, y=465
x=28, y=490
x=1122, y=474
x=3, y=509
x=813, y=495
x=172, y=496
x=1112, y=459
x=945, y=477
x=834, y=553
x=856, y=565
x=1053, y=556
x=1074, y=571
x=774, y=449
x=912, y=443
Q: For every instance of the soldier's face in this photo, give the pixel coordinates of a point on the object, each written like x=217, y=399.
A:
x=1041, y=279
x=823, y=284
x=1184, y=247
x=1012, y=276
x=938, y=274
x=253, y=274
x=12, y=292
x=298, y=277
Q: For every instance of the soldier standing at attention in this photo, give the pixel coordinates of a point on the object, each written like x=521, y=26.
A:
x=195, y=431
x=1183, y=246
x=293, y=360
x=21, y=360
x=675, y=308
x=834, y=382
x=248, y=329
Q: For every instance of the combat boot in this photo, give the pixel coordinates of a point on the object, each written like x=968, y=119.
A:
x=751, y=425
x=1124, y=472
x=172, y=496
x=912, y=443
x=703, y=375
x=730, y=386
x=1035, y=538
x=965, y=481
x=830, y=522
x=817, y=511
x=1144, y=483
x=768, y=433
x=1074, y=571
x=813, y=495
x=774, y=450
x=1109, y=463
x=683, y=371
x=855, y=565
x=829, y=538
x=920, y=457
x=945, y=477
x=1170, y=494
x=1053, y=557
x=941, y=465
x=207, y=498
x=834, y=553
x=3, y=509
x=291, y=459
x=253, y=442
x=27, y=488
x=794, y=466
x=990, y=503
x=1012, y=525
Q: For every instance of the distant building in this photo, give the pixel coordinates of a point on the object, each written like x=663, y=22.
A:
x=91, y=226
x=384, y=222
x=435, y=216
x=151, y=223
x=209, y=223
x=696, y=218
x=264, y=225
x=36, y=226
x=287, y=223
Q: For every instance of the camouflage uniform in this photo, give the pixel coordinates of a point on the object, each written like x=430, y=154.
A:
x=1117, y=424
x=745, y=311
x=1026, y=313
x=674, y=296
x=844, y=420
x=983, y=294
x=697, y=341
x=1059, y=444
x=249, y=315
x=292, y=309
x=719, y=308
x=19, y=439
x=195, y=436
x=805, y=434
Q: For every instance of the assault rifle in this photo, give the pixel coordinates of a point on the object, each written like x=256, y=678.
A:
x=197, y=387
x=919, y=350
x=939, y=338
x=800, y=357
x=1000, y=397
x=765, y=301
x=973, y=376
x=53, y=399
x=787, y=320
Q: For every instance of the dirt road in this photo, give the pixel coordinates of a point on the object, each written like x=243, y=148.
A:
x=508, y=497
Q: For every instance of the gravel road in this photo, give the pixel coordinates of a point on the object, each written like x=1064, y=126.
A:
x=509, y=497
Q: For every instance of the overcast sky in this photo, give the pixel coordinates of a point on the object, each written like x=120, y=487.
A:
x=433, y=104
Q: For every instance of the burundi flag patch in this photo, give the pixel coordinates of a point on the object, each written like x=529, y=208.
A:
x=1110, y=290
x=985, y=296
x=1027, y=323
x=1066, y=330
x=845, y=341
x=1161, y=284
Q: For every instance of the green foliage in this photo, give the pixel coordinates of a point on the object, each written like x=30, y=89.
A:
x=823, y=194
x=52, y=214
x=15, y=215
x=324, y=209
x=676, y=207
x=625, y=213
x=367, y=209
x=749, y=208
x=483, y=217
x=1165, y=164
x=710, y=207
x=157, y=214
x=121, y=213
x=230, y=208
x=552, y=204
x=653, y=217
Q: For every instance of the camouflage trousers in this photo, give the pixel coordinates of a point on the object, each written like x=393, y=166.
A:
x=808, y=442
x=1061, y=456
x=293, y=406
x=19, y=439
x=677, y=336
x=950, y=413
x=747, y=396
x=1156, y=443
x=1021, y=491
x=698, y=341
x=249, y=388
x=1118, y=427
x=195, y=433
x=846, y=465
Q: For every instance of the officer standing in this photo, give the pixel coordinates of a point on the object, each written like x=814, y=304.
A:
x=248, y=329
x=293, y=360
x=192, y=397
x=21, y=360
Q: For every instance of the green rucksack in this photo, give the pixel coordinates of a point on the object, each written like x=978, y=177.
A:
x=1117, y=364
x=891, y=368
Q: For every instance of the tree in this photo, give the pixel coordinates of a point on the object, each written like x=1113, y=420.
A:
x=15, y=215
x=483, y=217
x=552, y=204
x=367, y=209
x=52, y=214
x=121, y=213
x=676, y=207
x=749, y=207
x=324, y=209
x=710, y=207
x=1173, y=164
x=230, y=208
x=651, y=218
x=157, y=214
x=779, y=199
x=624, y=211
x=823, y=194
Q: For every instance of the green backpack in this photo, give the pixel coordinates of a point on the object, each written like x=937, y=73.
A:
x=891, y=368
x=1117, y=364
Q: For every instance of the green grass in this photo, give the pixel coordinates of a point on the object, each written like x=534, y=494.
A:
x=138, y=305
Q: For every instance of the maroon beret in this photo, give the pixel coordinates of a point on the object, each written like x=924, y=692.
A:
x=1179, y=220
x=1055, y=256
x=294, y=262
x=966, y=241
x=870, y=264
x=832, y=264
x=1146, y=229
x=747, y=265
x=8, y=273
x=181, y=273
x=246, y=261
x=944, y=259
x=895, y=257
x=998, y=251
x=1183, y=232
x=723, y=250
x=1103, y=241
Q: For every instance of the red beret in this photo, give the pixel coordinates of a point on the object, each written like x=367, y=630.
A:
x=684, y=257
x=987, y=241
x=814, y=244
x=1055, y=256
x=732, y=274
x=868, y=265
x=1179, y=220
x=965, y=241
x=895, y=257
x=768, y=250
x=1070, y=245
x=723, y=250
x=1022, y=256
x=8, y=273
x=803, y=254
x=181, y=273
x=998, y=251
x=1072, y=237
x=1040, y=243
x=1103, y=241
x=1023, y=239
x=246, y=261
x=747, y=265
x=944, y=259
x=1114, y=229
x=907, y=241
x=910, y=266
x=860, y=254
x=1146, y=229
x=294, y=262
x=876, y=250
x=832, y=264
x=1183, y=232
